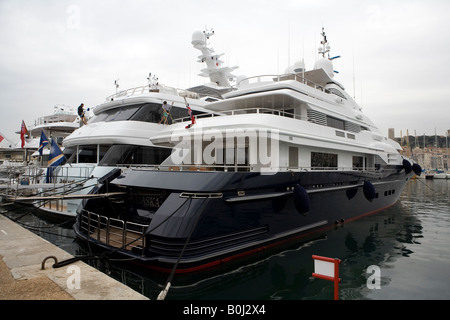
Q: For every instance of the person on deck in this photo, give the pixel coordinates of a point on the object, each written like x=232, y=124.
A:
x=82, y=114
x=166, y=112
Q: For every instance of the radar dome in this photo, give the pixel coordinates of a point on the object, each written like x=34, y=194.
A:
x=242, y=80
x=198, y=38
x=326, y=65
x=297, y=67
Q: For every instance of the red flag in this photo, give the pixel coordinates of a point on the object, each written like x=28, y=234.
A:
x=23, y=131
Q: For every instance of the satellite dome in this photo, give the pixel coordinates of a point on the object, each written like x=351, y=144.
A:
x=297, y=67
x=326, y=65
x=242, y=80
x=198, y=38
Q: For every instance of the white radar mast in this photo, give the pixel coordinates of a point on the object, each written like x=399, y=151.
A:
x=218, y=75
x=326, y=63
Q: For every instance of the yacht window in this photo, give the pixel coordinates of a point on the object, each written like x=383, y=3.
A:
x=320, y=160
x=358, y=163
x=180, y=113
x=123, y=114
x=337, y=92
x=131, y=154
x=350, y=126
x=116, y=114
x=87, y=154
x=232, y=157
x=335, y=123
x=70, y=154
x=289, y=113
x=340, y=134
x=103, y=149
x=99, y=117
x=150, y=112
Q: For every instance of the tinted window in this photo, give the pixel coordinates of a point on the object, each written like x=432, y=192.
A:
x=149, y=112
x=70, y=154
x=129, y=154
x=116, y=114
x=123, y=114
x=88, y=154
x=321, y=160
x=335, y=123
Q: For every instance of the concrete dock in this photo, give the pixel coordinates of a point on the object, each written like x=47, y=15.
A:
x=22, y=278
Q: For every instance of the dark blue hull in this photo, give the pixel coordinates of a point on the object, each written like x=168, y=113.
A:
x=201, y=219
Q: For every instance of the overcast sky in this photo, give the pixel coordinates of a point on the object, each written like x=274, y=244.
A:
x=395, y=54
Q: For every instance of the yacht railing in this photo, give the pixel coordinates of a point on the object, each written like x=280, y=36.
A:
x=275, y=112
x=113, y=232
x=247, y=168
x=284, y=77
x=60, y=174
x=69, y=117
x=153, y=88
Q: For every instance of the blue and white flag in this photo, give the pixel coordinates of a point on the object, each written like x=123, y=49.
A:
x=42, y=143
x=56, y=156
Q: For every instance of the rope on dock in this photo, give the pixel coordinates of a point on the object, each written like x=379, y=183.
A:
x=162, y=295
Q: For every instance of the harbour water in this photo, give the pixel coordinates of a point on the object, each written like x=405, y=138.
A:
x=401, y=253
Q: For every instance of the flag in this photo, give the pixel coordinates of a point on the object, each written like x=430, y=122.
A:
x=1, y=138
x=23, y=132
x=42, y=143
x=191, y=114
x=56, y=156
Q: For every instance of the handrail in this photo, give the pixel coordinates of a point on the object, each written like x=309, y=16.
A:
x=60, y=174
x=93, y=224
x=255, y=110
x=284, y=77
x=59, y=118
x=245, y=168
x=153, y=88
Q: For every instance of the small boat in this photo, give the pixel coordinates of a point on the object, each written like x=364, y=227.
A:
x=441, y=174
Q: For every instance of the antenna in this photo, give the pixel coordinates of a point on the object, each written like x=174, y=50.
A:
x=116, y=83
x=354, y=89
x=289, y=43
x=208, y=33
x=152, y=80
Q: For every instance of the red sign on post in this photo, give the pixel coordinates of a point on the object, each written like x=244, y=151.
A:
x=327, y=269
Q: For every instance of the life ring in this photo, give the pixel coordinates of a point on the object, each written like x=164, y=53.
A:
x=301, y=199
x=369, y=190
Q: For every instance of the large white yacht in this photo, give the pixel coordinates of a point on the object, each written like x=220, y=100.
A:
x=289, y=155
x=56, y=125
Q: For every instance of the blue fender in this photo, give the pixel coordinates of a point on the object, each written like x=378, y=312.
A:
x=407, y=166
x=369, y=190
x=301, y=199
x=417, y=169
x=351, y=193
